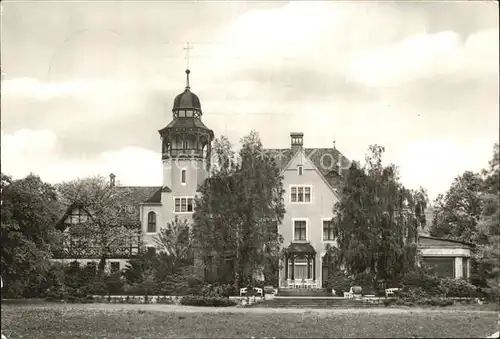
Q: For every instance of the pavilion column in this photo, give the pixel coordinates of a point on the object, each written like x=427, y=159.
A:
x=286, y=267
x=293, y=267
x=314, y=266
x=308, y=267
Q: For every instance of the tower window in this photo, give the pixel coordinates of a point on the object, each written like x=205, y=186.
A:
x=184, y=205
x=300, y=169
x=151, y=222
x=183, y=176
x=186, y=144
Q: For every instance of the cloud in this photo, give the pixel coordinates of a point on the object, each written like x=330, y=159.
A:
x=428, y=55
x=390, y=73
x=434, y=163
x=33, y=88
x=38, y=151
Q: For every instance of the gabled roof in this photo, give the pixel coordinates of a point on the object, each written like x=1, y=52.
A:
x=138, y=194
x=156, y=197
x=135, y=195
x=326, y=160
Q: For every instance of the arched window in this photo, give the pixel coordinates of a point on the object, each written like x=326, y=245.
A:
x=151, y=222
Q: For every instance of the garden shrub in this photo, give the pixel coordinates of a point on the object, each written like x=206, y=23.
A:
x=114, y=283
x=196, y=300
x=491, y=294
x=429, y=284
x=458, y=288
x=413, y=295
x=340, y=282
x=217, y=290
x=366, y=281
x=436, y=302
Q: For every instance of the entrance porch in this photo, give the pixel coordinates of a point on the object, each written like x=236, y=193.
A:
x=300, y=267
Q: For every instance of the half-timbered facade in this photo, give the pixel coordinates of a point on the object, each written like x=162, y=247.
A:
x=77, y=243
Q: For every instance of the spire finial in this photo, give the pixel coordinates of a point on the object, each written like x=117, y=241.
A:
x=187, y=78
x=187, y=48
x=334, y=145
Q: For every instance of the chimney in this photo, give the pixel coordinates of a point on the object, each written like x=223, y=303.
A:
x=296, y=141
x=112, y=180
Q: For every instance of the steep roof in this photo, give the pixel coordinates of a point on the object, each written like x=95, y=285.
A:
x=138, y=194
x=156, y=197
x=325, y=159
x=135, y=195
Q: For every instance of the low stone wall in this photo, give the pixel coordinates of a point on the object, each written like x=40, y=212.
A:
x=137, y=299
x=246, y=301
x=163, y=299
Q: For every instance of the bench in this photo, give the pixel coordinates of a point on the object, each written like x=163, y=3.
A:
x=390, y=292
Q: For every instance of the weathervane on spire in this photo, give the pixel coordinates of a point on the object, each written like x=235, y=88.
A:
x=187, y=48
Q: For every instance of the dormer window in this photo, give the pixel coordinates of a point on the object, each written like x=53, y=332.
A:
x=300, y=169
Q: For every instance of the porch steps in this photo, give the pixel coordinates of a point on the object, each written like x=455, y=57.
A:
x=316, y=302
x=304, y=292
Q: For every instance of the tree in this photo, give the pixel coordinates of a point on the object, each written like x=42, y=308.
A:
x=29, y=211
x=238, y=210
x=486, y=259
x=469, y=211
x=458, y=211
x=377, y=219
x=175, y=241
x=112, y=222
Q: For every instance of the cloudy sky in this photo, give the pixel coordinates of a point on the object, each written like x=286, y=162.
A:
x=87, y=85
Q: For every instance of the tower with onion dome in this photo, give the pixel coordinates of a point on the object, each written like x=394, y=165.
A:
x=186, y=147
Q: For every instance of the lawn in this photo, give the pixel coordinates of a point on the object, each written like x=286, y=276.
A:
x=155, y=321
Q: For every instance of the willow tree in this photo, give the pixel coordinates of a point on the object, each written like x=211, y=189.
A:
x=377, y=219
x=238, y=209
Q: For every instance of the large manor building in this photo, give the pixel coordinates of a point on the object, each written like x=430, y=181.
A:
x=312, y=182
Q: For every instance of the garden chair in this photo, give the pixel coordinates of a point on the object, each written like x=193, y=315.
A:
x=309, y=283
x=389, y=292
x=243, y=291
x=258, y=291
x=290, y=283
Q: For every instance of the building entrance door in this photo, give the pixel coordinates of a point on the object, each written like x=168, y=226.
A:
x=324, y=275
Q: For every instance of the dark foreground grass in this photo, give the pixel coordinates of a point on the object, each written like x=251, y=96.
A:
x=92, y=321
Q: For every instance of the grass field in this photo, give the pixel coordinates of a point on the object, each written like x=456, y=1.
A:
x=160, y=321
